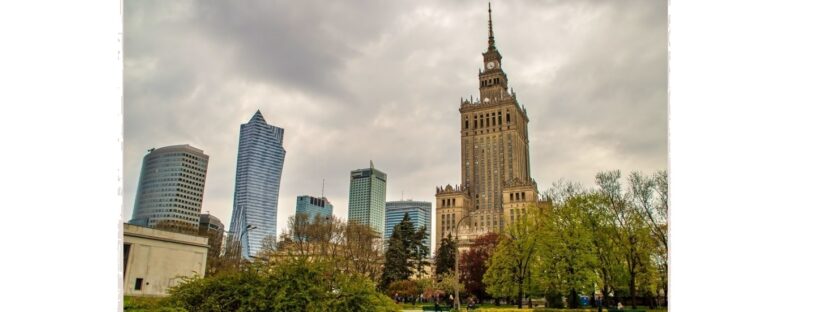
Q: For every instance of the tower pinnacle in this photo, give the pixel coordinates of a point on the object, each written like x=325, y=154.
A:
x=491, y=41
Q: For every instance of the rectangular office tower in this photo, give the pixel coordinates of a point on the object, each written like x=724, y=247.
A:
x=258, y=174
x=312, y=206
x=368, y=193
x=169, y=193
x=418, y=211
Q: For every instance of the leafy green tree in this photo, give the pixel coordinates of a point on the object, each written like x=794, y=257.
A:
x=446, y=256
x=566, y=259
x=632, y=232
x=650, y=195
x=510, y=264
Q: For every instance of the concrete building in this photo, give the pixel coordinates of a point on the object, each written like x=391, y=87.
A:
x=155, y=260
x=368, y=194
x=495, y=161
x=314, y=206
x=211, y=227
x=419, y=213
x=170, y=187
x=259, y=165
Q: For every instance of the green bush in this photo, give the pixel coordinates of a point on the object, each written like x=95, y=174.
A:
x=289, y=286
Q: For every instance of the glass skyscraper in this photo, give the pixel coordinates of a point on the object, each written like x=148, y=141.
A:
x=418, y=211
x=170, y=187
x=258, y=174
x=368, y=193
x=314, y=206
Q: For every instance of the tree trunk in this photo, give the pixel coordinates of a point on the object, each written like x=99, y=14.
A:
x=632, y=290
x=520, y=292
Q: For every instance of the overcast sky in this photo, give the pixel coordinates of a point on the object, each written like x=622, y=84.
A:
x=356, y=81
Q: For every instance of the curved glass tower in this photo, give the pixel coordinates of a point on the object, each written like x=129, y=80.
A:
x=258, y=173
x=170, y=187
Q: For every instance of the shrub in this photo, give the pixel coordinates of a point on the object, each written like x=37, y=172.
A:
x=289, y=286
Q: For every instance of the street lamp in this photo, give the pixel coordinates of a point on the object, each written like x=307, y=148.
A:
x=247, y=229
x=457, y=302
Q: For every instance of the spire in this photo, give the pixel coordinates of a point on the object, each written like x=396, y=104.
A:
x=491, y=41
x=371, y=164
x=258, y=116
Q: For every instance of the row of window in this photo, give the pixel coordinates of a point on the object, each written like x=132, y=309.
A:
x=519, y=196
x=481, y=121
x=490, y=82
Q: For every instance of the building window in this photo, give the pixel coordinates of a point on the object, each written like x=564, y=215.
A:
x=138, y=284
x=126, y=251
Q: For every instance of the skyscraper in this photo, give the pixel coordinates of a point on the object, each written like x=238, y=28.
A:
x=368, y=193
x=314, y=206
x=258, y=174
x=418, y=211
x=170, y=188
x=495, y=164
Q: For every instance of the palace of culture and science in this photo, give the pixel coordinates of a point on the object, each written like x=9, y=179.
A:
x=495, y=164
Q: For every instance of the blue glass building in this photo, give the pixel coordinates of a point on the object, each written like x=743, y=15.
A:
x=258, y=174
x=418, y=211
x=368, y=193
x=314, y=206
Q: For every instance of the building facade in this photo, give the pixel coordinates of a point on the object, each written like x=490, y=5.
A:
x=259, y=165
x=420, y=214
x=313, y=206
x=171, y=184
x=495, y=162
x=156, y=260
x=368, y=194
x=211, y=227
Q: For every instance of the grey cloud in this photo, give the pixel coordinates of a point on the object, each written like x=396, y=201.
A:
x=361, y=80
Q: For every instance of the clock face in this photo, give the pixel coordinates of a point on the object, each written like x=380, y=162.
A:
x=490, y=65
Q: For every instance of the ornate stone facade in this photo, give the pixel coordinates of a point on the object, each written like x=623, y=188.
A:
x=495, y=163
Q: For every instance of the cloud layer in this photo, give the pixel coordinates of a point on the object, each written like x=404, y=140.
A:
x=381, y=80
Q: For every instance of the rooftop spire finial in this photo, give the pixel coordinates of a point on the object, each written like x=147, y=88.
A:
x=491, y=40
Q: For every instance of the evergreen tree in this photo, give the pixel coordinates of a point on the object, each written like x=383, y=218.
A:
x=405, y=244
x=446, y=256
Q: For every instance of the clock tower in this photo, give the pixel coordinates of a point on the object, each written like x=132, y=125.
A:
x=496, y=186
x=492, y=80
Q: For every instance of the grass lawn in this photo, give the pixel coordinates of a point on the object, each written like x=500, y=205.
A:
x=514, y=308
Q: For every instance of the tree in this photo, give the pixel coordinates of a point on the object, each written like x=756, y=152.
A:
x=632, y=232
x=565, y=260
x=651, y=196
x=405, y=252
x=396, y=266
x=509, y=268
x=446, y=256
x=449, y=283
x=420, y=252
x=474, y=262
x=406, y=289
x=349, y=247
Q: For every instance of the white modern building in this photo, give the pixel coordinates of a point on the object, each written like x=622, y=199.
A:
x=170, y=188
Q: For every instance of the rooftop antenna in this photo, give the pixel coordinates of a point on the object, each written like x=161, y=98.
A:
x=323, y=187
x=402, y=195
